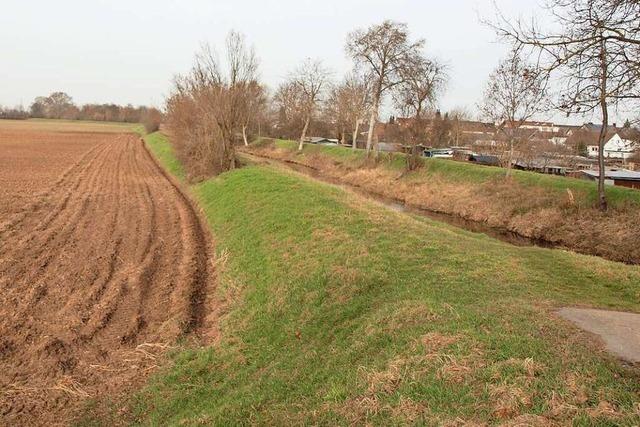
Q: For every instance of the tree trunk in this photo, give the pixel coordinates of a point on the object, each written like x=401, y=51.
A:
x=355, y=135
x=304, y=133
x=372, y=122
x=602, y=198
x=244, y=135
x=510, y=158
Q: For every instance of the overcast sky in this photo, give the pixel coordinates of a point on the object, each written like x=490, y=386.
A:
x=127, y=51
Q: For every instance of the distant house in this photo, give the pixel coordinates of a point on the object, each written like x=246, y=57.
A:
x=618, y=177
x=593, y=150
x=615, y=148
x=558, y=140
x=547, y=127
x=592, y=127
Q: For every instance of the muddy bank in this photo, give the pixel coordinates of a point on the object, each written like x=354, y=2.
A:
x=508, y=211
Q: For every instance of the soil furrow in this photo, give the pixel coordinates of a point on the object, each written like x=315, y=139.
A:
x=87, y=281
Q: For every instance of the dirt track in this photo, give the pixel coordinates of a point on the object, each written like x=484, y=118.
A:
x=98, y=274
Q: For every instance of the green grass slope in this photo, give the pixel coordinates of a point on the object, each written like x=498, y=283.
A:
x=463, y=172
x=161, y=148
x=340, y=311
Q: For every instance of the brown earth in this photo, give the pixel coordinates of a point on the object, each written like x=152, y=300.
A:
x=103, y=264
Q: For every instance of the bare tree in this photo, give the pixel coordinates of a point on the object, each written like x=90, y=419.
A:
x=309, y=82
x=208, y=107
x=53, y=106
x=350, y=102
x=515, y=92
x=594, y=54
x=384, y=51
x=254, y=103
x=458, y=116
x=336, y=109
x=289, y=105
x=422, y=81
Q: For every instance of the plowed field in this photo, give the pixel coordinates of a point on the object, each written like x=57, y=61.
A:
x=103, y=264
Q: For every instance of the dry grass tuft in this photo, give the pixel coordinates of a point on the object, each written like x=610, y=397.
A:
x=604, y=409
x=528, y=368
x=434, y=341
x=509, y=400
x=384, y=382
x=456, y=370
x=529, y=420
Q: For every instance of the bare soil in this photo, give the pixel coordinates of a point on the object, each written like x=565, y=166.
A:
x=103, y=265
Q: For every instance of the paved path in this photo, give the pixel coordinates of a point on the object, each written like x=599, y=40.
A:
x=620, y=331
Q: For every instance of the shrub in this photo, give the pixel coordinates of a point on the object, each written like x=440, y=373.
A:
x=151, y=120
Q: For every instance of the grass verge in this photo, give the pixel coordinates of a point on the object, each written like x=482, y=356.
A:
x=339, y=311
x=161, y=148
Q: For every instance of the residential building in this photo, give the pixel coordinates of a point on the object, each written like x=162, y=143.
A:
x=615, y=148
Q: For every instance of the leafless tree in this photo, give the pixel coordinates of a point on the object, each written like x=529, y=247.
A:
x=384, y=51
x=422, y=81
x=516, y=91
x=336, y=110
x=350, y=102
x=53, y=106
x=309, y=82
x=208, y=106
x=151, y=119
x=593, y=52
x=458, y=116
x=289, y=107
x=254, y=104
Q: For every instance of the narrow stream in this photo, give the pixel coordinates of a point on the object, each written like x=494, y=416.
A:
x=399, y=205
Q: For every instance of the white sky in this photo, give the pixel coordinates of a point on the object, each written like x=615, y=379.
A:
x=126, y=51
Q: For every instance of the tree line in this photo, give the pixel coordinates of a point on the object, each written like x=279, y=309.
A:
x=221, y=103
x=588, y=61
x=60, y=105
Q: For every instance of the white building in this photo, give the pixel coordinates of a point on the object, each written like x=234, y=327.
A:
x=541, y=127
x=615, y=148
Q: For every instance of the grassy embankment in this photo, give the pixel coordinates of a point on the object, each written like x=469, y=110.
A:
x=556, y=209
x=338, y=310
x=462, y=172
